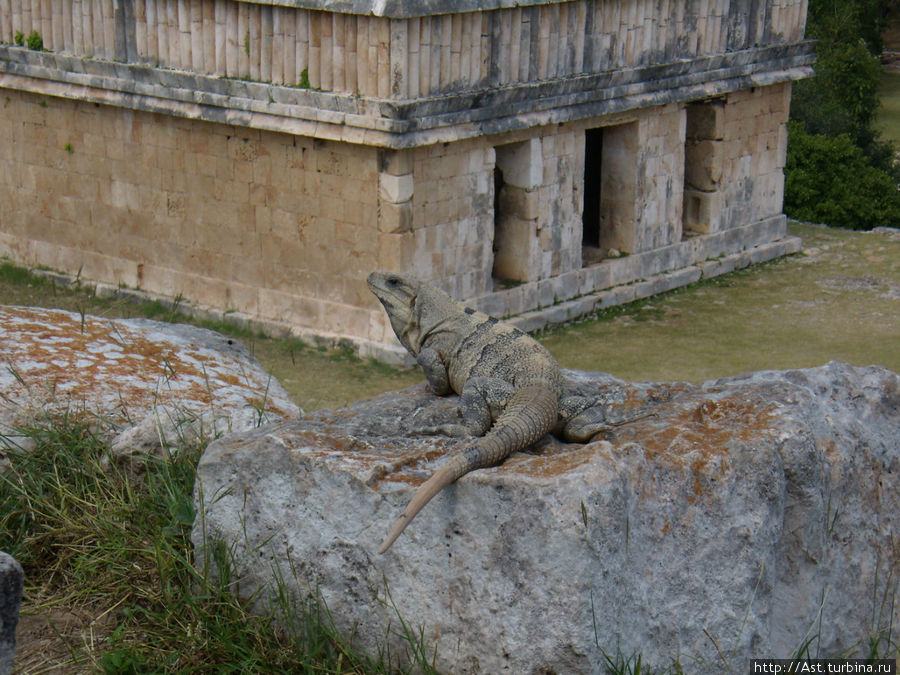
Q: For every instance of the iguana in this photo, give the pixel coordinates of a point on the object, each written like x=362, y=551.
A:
x=512, y=392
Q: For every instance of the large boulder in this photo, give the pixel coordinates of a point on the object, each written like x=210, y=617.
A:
x=147, y=384
x=748, y=517
x=11, y=580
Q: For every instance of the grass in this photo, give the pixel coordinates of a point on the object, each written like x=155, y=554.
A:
x=115, y=550
x=839, y=301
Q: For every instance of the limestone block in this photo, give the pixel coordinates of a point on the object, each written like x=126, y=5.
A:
x=521, y=163
x=703, y=211
x=515, y=245
x=395, y=218
x=396, y=250
x=524, y=204
x=396, y=162
x=706, y=121
x=703, y=163
x=11, y=581
x=395, y=189
x=781, y=147
x=708, y=528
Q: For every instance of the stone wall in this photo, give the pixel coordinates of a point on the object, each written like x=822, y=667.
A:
x=735, y=157
x=270, y=225
x=285, y=228
x=401, y=53
x=525, y=158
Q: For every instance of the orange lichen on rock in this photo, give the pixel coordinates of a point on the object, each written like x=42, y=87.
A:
x=707, y=428
x=115, y=370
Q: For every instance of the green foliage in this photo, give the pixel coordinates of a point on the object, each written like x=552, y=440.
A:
x=843, y=97
x=20, y=276
x=831, y=21
x=115, y=543
x=839, y=171
x=830, y=180
x=35, y=41
x=303, y=83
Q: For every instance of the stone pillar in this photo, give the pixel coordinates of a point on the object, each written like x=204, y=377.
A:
x=703, y=162
x=11, y=580
x=395, y=191
x=519, y=172
x=618, y=188
x=395, y=206
x=396, y=243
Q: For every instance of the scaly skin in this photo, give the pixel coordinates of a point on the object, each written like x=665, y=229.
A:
x=510, y=386
x=529, y=417
x=511, y=390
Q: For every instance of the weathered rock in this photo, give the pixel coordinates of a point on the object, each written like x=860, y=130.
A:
x=170, y=428
x=11, y=578
x=119, y=372
x=749, y=516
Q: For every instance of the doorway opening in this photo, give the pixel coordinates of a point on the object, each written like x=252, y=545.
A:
x=610, y=188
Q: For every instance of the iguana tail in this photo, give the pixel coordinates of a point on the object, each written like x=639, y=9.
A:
x=530, y=415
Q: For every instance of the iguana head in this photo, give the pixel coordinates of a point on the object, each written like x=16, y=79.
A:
x=398, y=295
x=418, y=312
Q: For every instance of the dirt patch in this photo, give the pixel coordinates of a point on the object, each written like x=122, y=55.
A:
x=52, y=641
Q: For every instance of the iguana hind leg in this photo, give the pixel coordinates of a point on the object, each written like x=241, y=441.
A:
x=529, y=416
x=585, y=418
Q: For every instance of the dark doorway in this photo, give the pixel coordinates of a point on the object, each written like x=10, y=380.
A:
x=593, y=173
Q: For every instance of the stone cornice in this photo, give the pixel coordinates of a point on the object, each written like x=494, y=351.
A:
x=398, y=123
x=404, y=9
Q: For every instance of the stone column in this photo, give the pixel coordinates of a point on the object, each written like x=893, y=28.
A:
x=518, y=175
x=619, y=188
x=703, y=162
x=395, y=209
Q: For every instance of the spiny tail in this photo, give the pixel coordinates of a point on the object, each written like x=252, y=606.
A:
x=530, y=415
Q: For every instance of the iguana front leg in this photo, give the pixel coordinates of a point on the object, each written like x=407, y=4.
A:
x=435, y=371
x=482, y=401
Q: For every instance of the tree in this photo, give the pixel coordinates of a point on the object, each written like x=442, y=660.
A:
x=843, y=96
x=829, y=180
x=838, y=169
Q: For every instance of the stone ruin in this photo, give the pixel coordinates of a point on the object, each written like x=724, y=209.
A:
x=536, y=159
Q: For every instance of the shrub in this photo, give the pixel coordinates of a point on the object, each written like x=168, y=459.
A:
x=828, y=179
x=35, y=41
